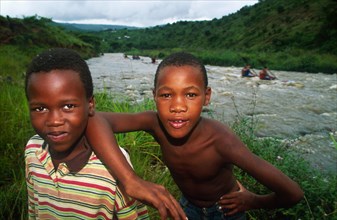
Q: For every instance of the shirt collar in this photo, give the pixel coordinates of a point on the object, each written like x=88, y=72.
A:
x=77, y=163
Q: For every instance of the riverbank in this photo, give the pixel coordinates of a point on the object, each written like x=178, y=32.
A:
x=293, y=60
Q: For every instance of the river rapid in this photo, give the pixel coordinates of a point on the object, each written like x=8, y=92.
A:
x=298, y=107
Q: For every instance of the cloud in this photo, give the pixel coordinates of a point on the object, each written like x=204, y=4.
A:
x=122, y=12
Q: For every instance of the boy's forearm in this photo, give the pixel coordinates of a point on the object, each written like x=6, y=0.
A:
x=285, y=196
x=264, y=202
x=272, y=201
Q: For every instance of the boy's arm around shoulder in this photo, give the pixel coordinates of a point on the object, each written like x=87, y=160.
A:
x=101, y=138
x=285, y=192
x=127, y=122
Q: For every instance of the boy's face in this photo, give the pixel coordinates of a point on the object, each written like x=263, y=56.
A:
x=180, y=94
x=59, y=109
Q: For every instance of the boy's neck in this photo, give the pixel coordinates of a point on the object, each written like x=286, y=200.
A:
x=60, y=157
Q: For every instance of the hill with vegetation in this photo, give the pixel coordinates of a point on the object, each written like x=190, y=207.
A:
x=294, y=35
x=38, y=32
x=21, y=39
x=283, y=34
x=271, y=26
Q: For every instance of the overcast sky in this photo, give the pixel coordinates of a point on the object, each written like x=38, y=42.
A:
x=138, y=13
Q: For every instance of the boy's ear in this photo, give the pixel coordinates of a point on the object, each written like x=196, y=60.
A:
x=92, y=106
x=208, y=93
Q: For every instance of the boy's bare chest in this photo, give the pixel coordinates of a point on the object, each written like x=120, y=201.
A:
x=195, y=161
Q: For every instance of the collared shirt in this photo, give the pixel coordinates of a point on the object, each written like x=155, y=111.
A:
x=81, y=188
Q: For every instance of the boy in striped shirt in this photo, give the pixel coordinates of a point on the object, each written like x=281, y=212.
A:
x=65, y=179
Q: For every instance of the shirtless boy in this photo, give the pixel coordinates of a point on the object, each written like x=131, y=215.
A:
x=199, y=152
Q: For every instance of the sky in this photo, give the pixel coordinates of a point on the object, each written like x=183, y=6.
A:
x=138, y=13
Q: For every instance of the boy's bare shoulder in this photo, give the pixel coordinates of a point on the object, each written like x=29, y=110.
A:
x=221, y=134
x=215, y=126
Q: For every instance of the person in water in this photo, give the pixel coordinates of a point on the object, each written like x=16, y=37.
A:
x=246, y=71
x=199, y=152
x=264, y=75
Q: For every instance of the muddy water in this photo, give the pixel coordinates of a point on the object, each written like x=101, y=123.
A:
x=300, y=108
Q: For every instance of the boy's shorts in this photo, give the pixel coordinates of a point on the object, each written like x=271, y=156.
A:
x=211, y=213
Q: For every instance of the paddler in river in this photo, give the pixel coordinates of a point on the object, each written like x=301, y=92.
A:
x=246, y=72
x=264, y=75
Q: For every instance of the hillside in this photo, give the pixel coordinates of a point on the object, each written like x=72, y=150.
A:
x=270, y=25
x=35, y=32
x=22, y=39
x=294, y=35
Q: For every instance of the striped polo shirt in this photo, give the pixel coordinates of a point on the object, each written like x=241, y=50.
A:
x=87, y=191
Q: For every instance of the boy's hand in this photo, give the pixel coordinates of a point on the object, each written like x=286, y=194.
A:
x=238, y=201
x=157, y=196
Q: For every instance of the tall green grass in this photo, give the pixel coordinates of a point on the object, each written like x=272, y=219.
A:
x=320, y=188
x=13, y=62
x=15, y=129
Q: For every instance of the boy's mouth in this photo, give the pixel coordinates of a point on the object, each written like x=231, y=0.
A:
x=57, y=136
x=177, y=123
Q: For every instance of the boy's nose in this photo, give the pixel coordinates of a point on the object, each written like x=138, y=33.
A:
x=178, y=105
x=55, y=118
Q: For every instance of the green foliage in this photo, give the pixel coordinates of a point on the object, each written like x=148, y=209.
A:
x=34, y=32
x=320, y=191
x=320, y=188
x=15, y=131
x=13, y=64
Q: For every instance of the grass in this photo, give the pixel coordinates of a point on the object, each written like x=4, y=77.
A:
x=15, y=129
x=320, y=188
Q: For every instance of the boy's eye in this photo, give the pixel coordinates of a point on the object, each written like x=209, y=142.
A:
x=69, y=106
x=191, y=95
x=39, y=109
x=165, y=95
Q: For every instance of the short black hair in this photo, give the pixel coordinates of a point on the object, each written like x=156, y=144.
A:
x=182, y=59
x=61, y=59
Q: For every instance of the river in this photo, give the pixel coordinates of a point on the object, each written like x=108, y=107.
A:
x=298, y=107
